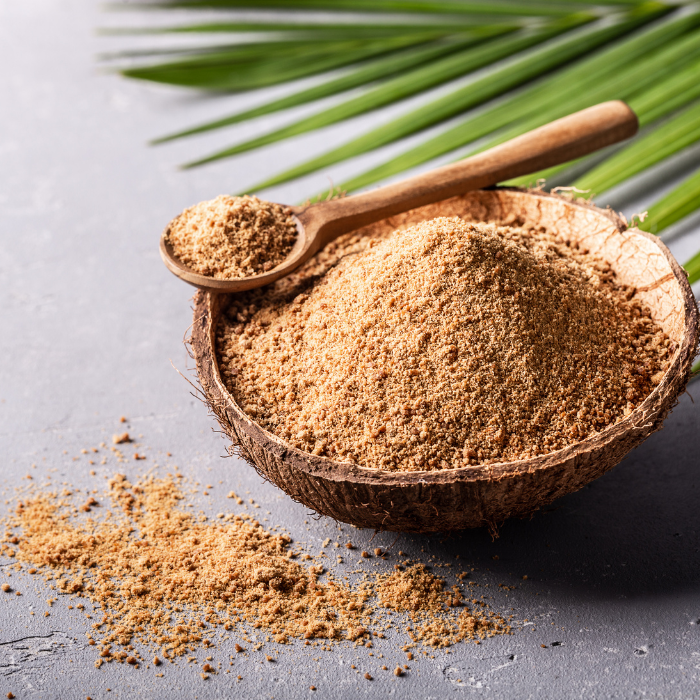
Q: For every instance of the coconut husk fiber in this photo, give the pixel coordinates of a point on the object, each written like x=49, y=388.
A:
x=477, y=495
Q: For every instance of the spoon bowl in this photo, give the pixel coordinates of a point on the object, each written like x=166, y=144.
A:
x=562, y=140
x=295, y=258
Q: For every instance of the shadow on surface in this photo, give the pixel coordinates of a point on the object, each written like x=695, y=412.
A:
x=632, y=532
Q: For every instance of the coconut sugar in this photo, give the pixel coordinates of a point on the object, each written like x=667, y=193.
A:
x=232, y=237
x=160, y=578
x=446, y=344
x=418, y=591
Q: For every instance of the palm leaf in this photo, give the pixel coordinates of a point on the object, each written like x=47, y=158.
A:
x=399, y=63
x=512, y=8
x=545, y=59
x=678, y=133
x=595, y=79
x=675, y=91
x=251, y=66
x=310, y=30
x=418, y=80
x=677, y=204
x=520, y=69
x=692, y=267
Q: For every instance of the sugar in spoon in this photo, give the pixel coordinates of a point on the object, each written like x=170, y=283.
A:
x=318, y=224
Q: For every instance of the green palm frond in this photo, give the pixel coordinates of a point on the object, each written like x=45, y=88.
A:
x=519, y=70
x=423, y=78
x=511, y=8
x=395, y=64
x=520, y=63
x=611, y=73
x=673, y=207
x=311, y=30
x=692, y=267
x=655, y=102
x=678, y=133
x=251, y=66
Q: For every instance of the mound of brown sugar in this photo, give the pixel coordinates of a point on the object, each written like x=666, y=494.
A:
x=158, y=576
x=444, y=345
x=232, y=237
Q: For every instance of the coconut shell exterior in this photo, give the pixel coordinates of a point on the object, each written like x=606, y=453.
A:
x=487, y=495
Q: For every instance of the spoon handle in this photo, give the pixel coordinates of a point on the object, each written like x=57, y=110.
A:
x=571, y=137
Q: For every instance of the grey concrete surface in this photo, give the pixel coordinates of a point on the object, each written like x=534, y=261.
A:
x=92, y=328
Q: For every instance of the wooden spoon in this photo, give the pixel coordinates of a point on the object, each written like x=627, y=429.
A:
x=562, y=140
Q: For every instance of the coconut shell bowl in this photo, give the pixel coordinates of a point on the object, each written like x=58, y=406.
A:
x=452, y=499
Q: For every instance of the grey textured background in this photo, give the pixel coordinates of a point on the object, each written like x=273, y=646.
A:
x=91, y=322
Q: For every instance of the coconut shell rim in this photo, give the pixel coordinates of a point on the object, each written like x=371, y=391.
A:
x=202, y=342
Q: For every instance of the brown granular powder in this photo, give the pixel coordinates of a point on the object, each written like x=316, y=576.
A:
x=165, y=578
x=412, y=589
x=418, y=591
x=443, y=345
x=232, y=237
